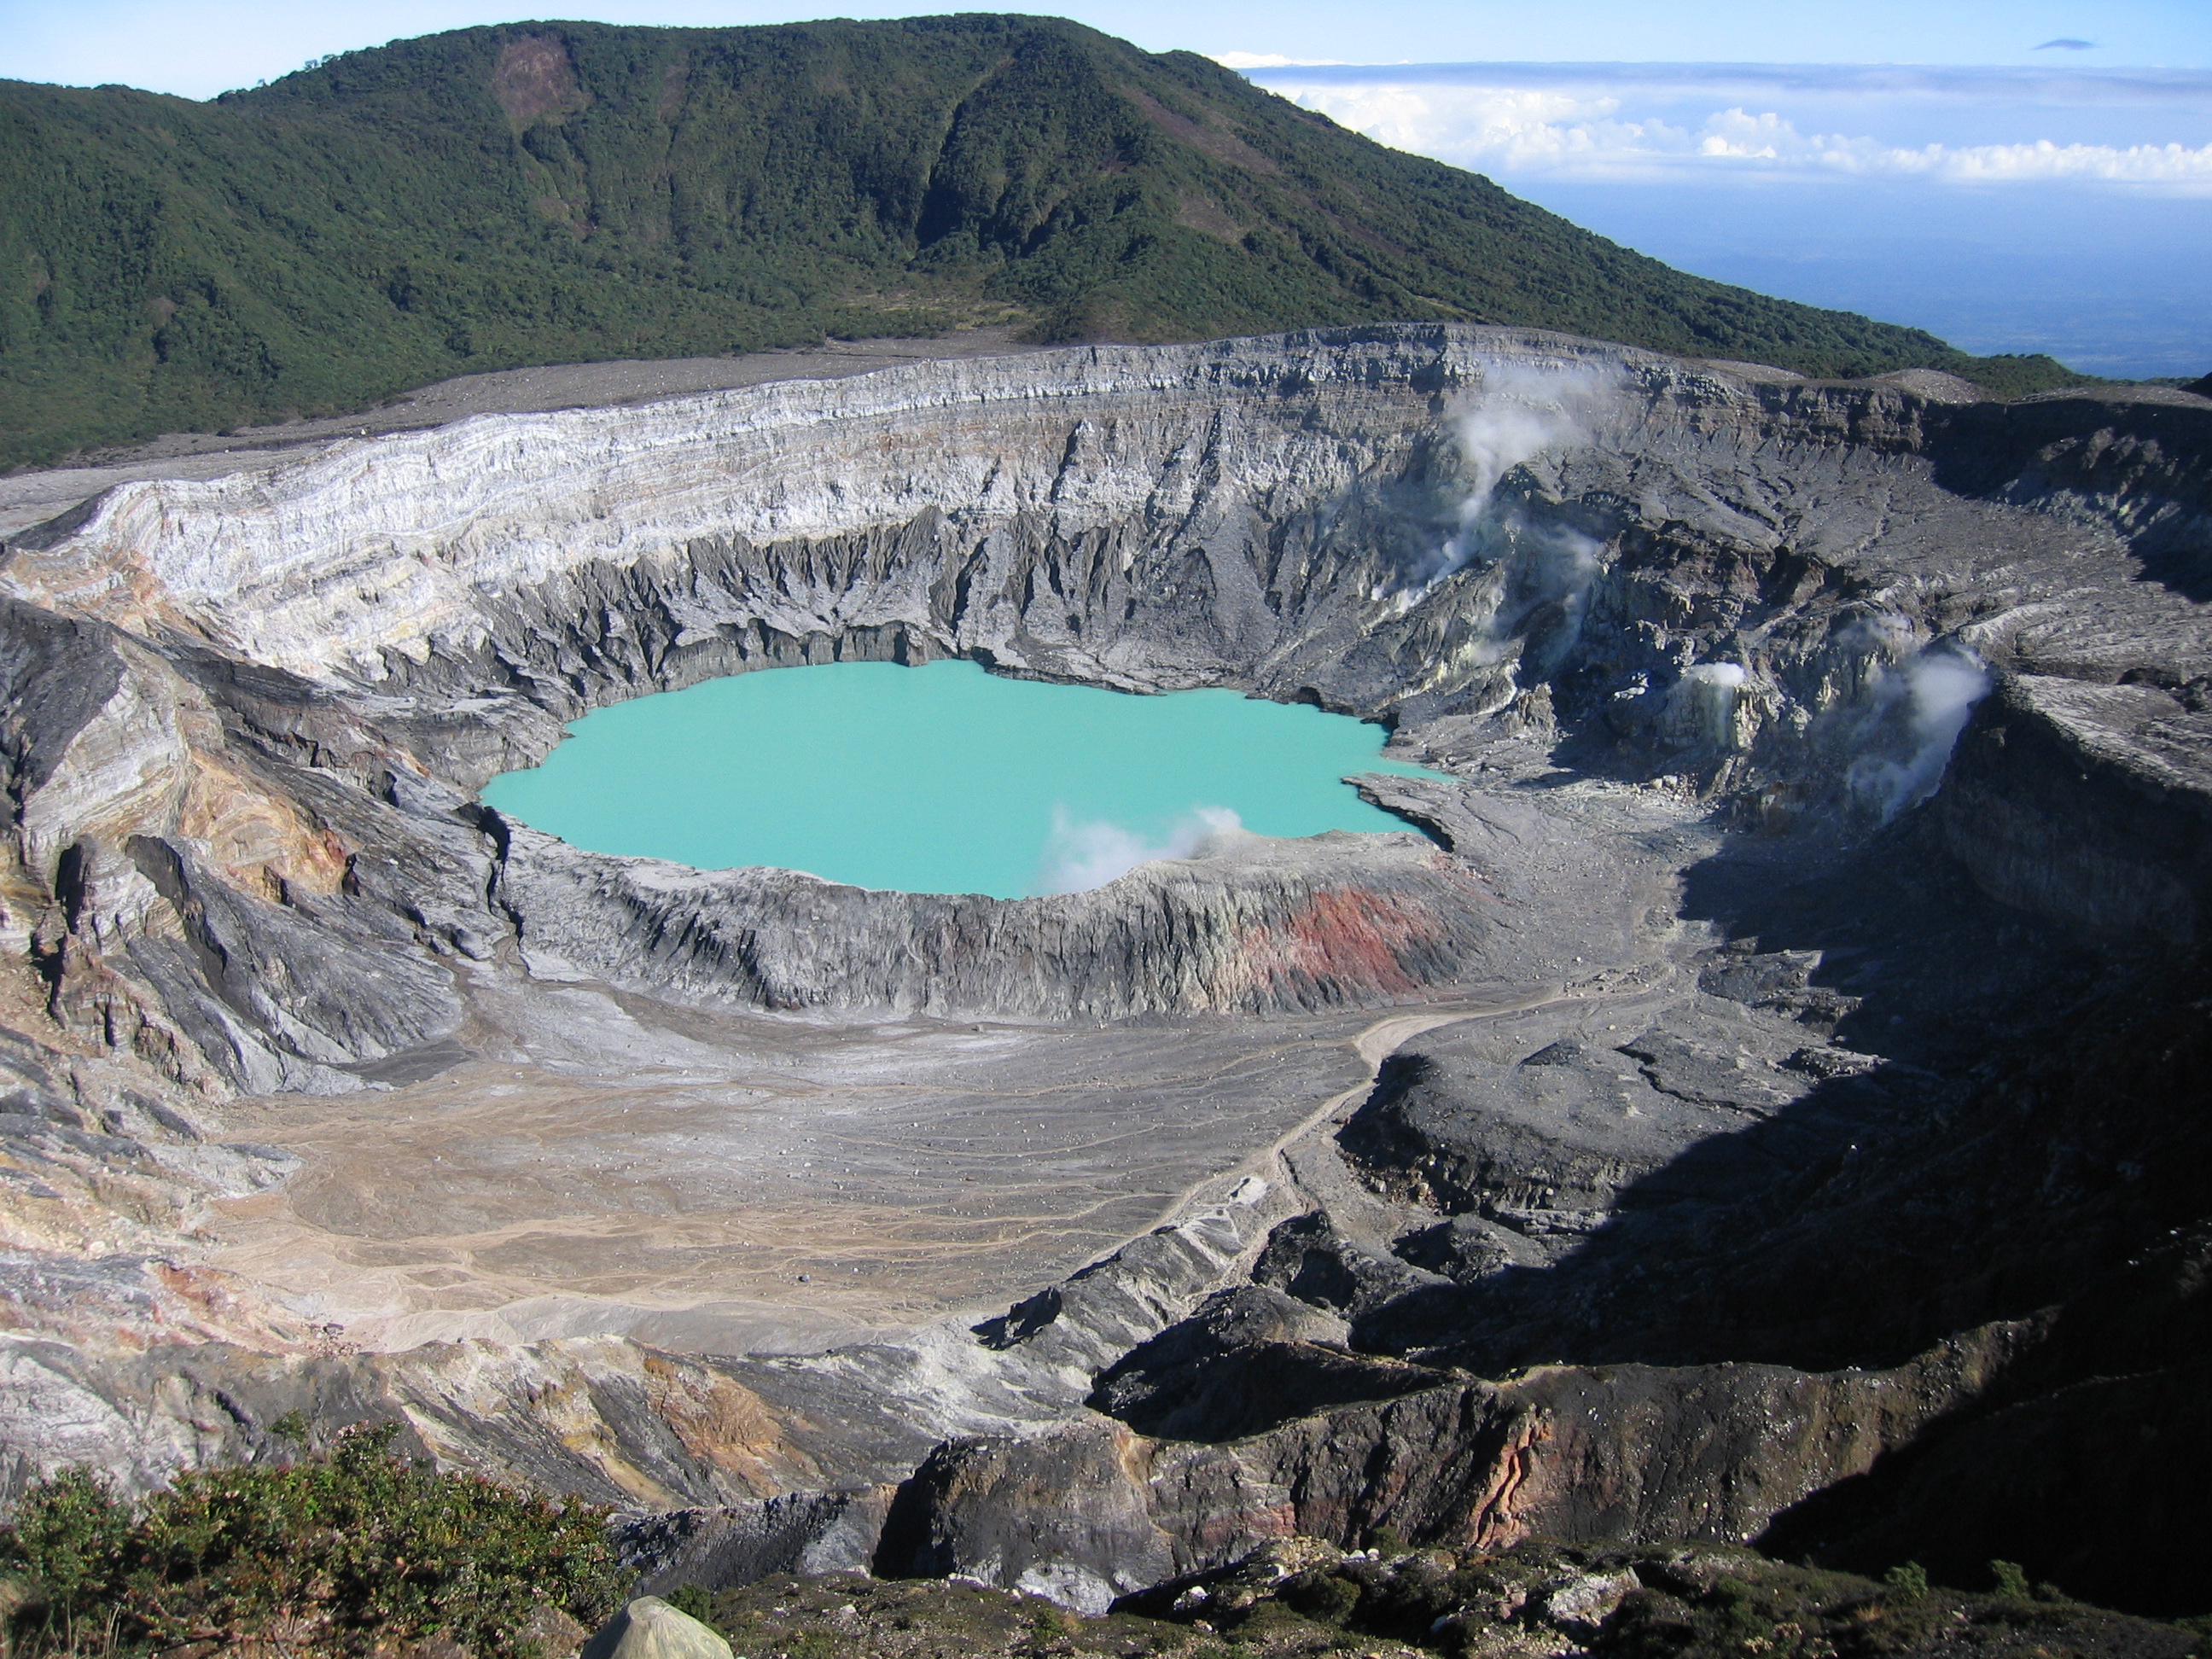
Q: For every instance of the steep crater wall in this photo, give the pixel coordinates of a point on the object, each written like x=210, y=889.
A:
x=1670, y=568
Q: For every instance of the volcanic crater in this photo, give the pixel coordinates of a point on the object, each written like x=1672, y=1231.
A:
x=1763, y=1099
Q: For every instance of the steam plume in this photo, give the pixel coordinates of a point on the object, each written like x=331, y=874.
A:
x=1536, y=575
x=1704, y=701
x=1519, y=414
x=1083, y=853
x=1935, y=693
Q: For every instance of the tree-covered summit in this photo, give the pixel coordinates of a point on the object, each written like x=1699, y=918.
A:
x=539, y=192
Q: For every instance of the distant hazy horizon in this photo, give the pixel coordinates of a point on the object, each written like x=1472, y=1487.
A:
x=2066, y=209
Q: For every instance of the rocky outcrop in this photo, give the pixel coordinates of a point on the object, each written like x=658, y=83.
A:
x=1250, y=1360
x=1564, y=1453
x=739, y=1544
x=2087, y=802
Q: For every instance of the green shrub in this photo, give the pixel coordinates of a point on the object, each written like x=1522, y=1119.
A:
x=2198, y=1625
x=1908, y=1583
x=1742, y=1609
x=1051, y=1623
x=1325, y=1597
x=338, y=1553
x=695, y=1601
x=2011, y=1578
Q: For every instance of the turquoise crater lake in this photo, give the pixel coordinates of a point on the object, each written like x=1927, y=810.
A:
x=941, y=778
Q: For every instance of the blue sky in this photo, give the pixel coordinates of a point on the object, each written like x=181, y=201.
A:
x=2040, y=179
x=199, y=47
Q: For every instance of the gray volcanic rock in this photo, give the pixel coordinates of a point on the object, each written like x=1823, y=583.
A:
x=2088, y=802
x=1305, y=1257
x=1059, y=1516
x=1570, y=1128
x=1564, y=1453
x=799, y=1532
x=1078, y=1326
x=648, y=1628
x=1247, y=1360
x=1250, y=927
x=1793, y=1024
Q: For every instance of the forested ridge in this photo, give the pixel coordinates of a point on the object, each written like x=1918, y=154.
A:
x=545, y=192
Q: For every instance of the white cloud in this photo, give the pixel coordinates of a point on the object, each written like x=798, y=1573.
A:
x=1633, y=125
x=2168, y=169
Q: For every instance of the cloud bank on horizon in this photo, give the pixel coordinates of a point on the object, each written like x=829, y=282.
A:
x=2054, y=206
x=2144, y=131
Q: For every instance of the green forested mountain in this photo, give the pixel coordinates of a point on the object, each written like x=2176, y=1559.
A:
x=543, y=192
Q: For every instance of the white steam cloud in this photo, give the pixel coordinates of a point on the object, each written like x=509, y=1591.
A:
x=1527, y=603
x=1933, y=696
x=1521, y=412
x=1083, y=854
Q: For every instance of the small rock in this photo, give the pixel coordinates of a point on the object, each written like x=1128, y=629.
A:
x=1541, y=1223
x=648, y=1628
x=1757, y=979
x=1566, y=1051
x=1583, y=1603
x=1829, y=1062
x=555, y=1634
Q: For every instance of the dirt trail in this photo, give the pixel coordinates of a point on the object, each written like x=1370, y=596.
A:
x=1373, y=1045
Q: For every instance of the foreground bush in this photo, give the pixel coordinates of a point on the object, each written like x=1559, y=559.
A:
x=338, y=1554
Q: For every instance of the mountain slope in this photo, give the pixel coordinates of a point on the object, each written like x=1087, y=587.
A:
x=559, y=191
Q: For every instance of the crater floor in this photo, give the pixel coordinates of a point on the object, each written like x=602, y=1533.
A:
x=737, y=1183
